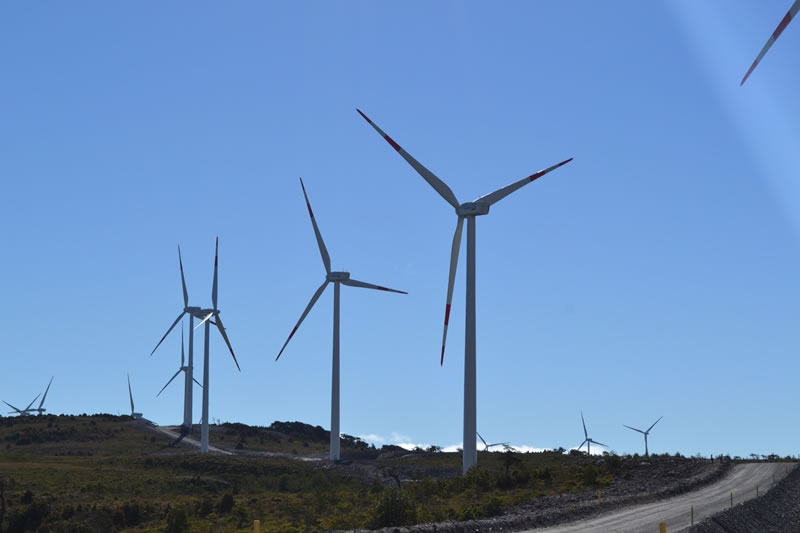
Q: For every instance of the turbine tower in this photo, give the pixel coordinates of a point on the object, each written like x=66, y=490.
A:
x=774, y=37
x=41, y=408
x=645, y=433
x=182, y=368
x=213, y=312
x=468, y=211
x=588, y=442
x=193, y=312
x=337, y=278
x=134, y=414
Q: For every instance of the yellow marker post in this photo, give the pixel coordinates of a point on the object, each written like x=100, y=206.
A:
x=598, y=495
x=662, y=527
x=256, y=526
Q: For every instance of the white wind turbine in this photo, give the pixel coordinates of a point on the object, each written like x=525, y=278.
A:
x=588, y=442
x=337, y=278
x=134, y=414
x=486, y=446
x=182, y=368
x=213, y=312
x=469, y=211
x=193, y=312
x=41, y=408
x=645, y=433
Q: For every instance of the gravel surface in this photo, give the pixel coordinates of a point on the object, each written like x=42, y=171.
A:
x=644, y=481
x=777, y=511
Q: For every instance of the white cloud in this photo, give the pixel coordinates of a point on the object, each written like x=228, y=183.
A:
x=398, y=438
x=372, y=438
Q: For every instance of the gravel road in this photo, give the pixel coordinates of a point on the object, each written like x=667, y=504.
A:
x=676, y=512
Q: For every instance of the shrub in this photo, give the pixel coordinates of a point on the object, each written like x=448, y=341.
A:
x=177, y=521
x=394, y=508
x=226, y=504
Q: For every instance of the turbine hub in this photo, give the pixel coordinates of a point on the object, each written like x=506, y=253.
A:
x=472, y=209
x=338, y=276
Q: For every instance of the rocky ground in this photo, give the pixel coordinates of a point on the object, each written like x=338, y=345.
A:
x=777, y=511
x=643, y=481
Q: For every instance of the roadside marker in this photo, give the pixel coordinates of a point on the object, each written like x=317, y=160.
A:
x=662, y=527
x=256, y=526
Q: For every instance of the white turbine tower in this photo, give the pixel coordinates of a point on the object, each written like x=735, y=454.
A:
x=793, y=11
x=468, y=211
x=588, y=442
x=213, y=312
x=134, y=414
x=182, y=368
x=645, y=433
x=193, y=312
x=337, y=278
x=41, y=408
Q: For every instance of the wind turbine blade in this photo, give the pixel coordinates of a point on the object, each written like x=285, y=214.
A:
x=451, y=279
x=45, y=392
x=11, y=406
x=214, y=286
x=499, y=194
x=660, y=417
x=32, y=401
x=182, y=353
x=209, y=315
x=183, y=280
x=180, y=316
x=483, y=441
x=774, y=37
x=585, y=433
x=130, y=393
x=221, y=329
x=639, y=430
x=326, y=259
x=201, y=386
x=303, y=316
x=581, y=444
x=599, y=444
x=356, y=283
x=168, y=382
x=440, y=186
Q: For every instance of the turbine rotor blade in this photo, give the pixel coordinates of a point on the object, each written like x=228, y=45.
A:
x=216, y=267
x=451, y=279
x=483, y=441
x=499, y=194
x=183, y=280
x=363, y=285
x=201, y=386
x=209, y=315
x=180, y=316
x=221, y=329
x=303, y=316
x=45, y=393
x=585, y=433
x=130, y=392
x=660, y=417
x=32, y=401
x=323, y=251
x=438, y=185
x=11, y=406
x=639, y=430
x=581, y=444
x=599, y=444
x=774, y=37
x=168, y=382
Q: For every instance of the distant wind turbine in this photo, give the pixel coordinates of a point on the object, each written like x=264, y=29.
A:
x=588, y=442
x=182, y=368
x=468, y=211
x=213, y=312
x=193, y=312
x=41, y=408
x=645, y=433
x=25, y=411
x=774, y=37
x=134, y=414
x=337, y=278
x=487, y=446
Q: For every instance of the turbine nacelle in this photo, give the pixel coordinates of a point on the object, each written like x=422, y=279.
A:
x=337, y=276
x=472, y=209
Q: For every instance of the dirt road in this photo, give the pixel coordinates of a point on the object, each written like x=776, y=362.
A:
x=676, y=512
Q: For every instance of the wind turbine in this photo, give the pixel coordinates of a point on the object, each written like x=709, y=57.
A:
x=774, y=37
x=487, y=446
x=213, y=312
x=193, y=312
x=645, y=433
x=468, y=211
x=134, y=414
x=588, y=442
x=25, y=411
x=337, y=278
x=41, y=408
x=182, y=368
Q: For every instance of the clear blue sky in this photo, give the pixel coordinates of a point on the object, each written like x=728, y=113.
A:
x=656, y=274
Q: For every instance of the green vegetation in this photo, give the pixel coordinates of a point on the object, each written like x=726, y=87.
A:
x=108, y=473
